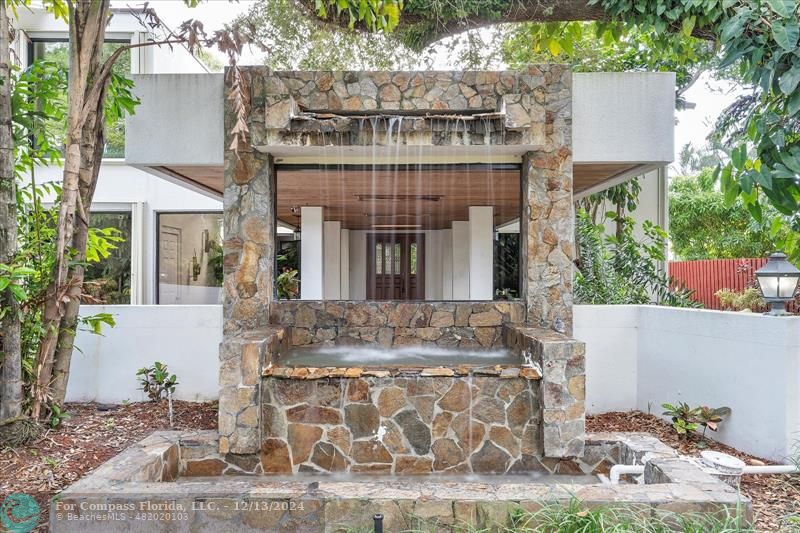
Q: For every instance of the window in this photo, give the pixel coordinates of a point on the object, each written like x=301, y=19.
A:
x=57, y=51
x=108, y=280
x=189, y=265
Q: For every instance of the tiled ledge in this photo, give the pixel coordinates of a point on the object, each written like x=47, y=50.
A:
x=383, y=371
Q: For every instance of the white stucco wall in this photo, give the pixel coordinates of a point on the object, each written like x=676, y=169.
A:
x=637, y=357
x=186, y=338
x=618, y=117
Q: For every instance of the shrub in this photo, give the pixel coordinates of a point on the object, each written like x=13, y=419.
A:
x=748, y=299
x=687, y=419
x=157, y=381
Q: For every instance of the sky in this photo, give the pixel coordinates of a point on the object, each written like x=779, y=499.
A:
x=692, y=126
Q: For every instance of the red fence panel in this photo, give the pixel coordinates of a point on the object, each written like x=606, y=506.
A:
x=707, y=276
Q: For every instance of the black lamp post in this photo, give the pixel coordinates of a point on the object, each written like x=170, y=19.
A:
x=778, y=281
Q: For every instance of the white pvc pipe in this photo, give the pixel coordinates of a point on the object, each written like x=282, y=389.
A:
x=618, y=470
x=770, y=469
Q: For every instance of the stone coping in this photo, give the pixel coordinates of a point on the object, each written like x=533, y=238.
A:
x=383, y=371
x=142, y=477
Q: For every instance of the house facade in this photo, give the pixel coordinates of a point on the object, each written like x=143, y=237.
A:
x=151, y=212
x=172, y=221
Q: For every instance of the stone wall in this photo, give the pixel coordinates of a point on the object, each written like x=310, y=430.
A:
x=563, y=366
x=242, y=359
x=293, y=108
x=547, y=232
x=418, y=425
x=448, y=324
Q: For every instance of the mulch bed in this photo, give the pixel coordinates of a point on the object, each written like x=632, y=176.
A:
x=90, y=437
x=93, y=435
x=774, y=497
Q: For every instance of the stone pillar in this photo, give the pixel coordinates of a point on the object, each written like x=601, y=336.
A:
x=312, y=253
x=460, y=238
x=249, y=246
x=547, y=227
x=481, y=253
x=248, y=285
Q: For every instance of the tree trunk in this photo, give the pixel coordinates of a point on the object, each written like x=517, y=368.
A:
x=87, y=25
x=90, y=170
x=11, y=389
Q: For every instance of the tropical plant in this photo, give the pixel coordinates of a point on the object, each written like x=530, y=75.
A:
x=156, y=381
x=215, y=261
x=684, y=418
x=287, y=284
x=623, y=270
x=710, y=418
x=749, y=299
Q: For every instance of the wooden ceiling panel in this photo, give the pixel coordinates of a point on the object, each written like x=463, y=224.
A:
x=458, y=188
x=428, y=198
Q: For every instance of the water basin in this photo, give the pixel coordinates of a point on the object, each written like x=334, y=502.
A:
x=346, y=356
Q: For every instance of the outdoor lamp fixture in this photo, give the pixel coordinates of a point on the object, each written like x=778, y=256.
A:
x=778, y=280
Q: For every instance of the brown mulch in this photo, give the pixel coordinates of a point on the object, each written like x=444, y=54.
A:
x=87, y=439
x=774, y=497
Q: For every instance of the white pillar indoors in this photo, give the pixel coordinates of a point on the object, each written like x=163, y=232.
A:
x=311, y=253
x=331, y=265
x=447, y=264
x=460, y=236
x=344, y=265
x=481, y=252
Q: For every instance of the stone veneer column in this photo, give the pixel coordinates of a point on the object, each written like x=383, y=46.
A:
x=249, y=258
x=547, y=211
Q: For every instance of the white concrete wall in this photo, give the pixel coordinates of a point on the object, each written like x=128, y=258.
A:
x=179, y=121
x=747, y=362
x=481, y=253
x=186, y=338
x=611, y=336
x=623, y=116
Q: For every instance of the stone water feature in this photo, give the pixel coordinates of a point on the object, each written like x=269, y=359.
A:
x=427, y=442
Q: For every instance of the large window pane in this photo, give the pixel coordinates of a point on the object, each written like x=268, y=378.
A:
x=109, y=280
x=58, y=52
x=189, y=258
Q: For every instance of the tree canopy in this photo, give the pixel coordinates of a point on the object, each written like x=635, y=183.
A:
x=703, y=226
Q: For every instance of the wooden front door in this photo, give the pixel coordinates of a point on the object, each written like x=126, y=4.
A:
x=396, y=266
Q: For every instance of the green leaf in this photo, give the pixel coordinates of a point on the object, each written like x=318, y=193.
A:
x=793, y=105
x=755, y=211
x=18, y=292
x=688, y=25
x=4, y=282
x=739, y=156
x=789, y=80
x=786, y=35
x=784, y=8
